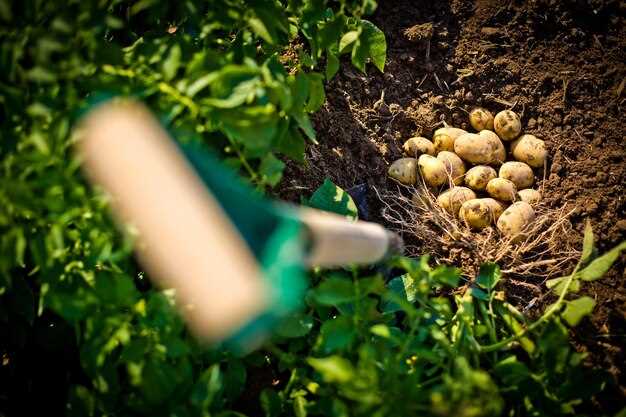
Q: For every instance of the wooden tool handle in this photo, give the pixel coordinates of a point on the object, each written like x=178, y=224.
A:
x=338, y=241
x=185, y=241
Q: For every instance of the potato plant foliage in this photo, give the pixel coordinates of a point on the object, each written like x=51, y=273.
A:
x=243, y=77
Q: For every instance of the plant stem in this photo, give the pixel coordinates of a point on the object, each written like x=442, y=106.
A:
x=549, y=313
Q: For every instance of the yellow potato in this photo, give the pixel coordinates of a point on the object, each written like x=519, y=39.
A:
x=480, y=212
x=497, y=208
x=530, y=196
x=520, y=173
x=529, y=149
x=433, y=170
x=481, y=119
x=507, y=125
x=417, y=146
x=445, y=137
x=497, y=147
x=515, y=220
x=404, y=170
x=478, y=177
x=454, y=166
x=452, y=199
x=478, y=148
x=502, y=189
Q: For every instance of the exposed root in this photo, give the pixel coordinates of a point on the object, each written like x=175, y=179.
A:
x=544, y=253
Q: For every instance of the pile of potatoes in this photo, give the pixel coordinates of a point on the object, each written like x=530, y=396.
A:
x=464, y=164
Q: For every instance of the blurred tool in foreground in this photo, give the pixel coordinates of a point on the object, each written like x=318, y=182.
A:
x=236, y=260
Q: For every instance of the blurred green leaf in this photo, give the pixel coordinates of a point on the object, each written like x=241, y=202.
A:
x=488, y=276
x=333, y=291
x=599, y=266
x=587, y=243
x=336, y=334
x=270, y=403
x=575, y=310
x=295, y=325
x=330, y=197
x=332, y=368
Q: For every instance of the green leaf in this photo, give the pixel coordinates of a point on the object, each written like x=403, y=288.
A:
x=587, y=243
x=271, y=170
x=336, y=334
x=291, y=143
x=333, y=291
x=599, y=266
x=446, y=275
x=479, y=294
x=299, y=406
x=347, y=40
x=370, y=44
x=333, y=368
x=381, y=330
x=270, y=403
x=488, y=276
x=260, y=29
x=575, y=310
x=332, y=65
x=330, y=197
x=557, y=285
x=305, y=124
x=316, y=92
x=172, y=62
x=295, y=325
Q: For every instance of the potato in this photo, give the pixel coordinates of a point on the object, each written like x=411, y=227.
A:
x=530, y=150
x=502, y=189
x=530, y=196
x=478, y=177
x=481, y=119
x=480, y=212
x=455, y=167
x=480, y=148
x=497, y=208
x=507, y=125
x=452, y=199
x=417, y=146
x=517, y=217
x=497, y=147
x=445, y=137
x=521, y=174
x=433, y=170
x=404, y=170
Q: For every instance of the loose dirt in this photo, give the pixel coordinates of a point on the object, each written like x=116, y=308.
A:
x=559, y=64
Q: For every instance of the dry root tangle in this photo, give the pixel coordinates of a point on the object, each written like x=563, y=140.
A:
x=545, y=252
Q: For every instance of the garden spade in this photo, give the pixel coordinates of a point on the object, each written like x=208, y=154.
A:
x=236, y=260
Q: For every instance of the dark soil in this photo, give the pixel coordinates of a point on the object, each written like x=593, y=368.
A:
x=559, y=64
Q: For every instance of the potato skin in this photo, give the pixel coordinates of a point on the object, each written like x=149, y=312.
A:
x=530, y=196
x=515, y=219
x=477, y=177
x=497, y=147
x=475, y=148
x=404, y=170
x=433, y=170
x=480, y=212
x=502, y=189
x=452, y=199
x=507, y=125
x=529, y=149
x=444, y=138
x=416, y=146
x=497, y=208
x=454, y=166
x=518, y=172
x=481, y=119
